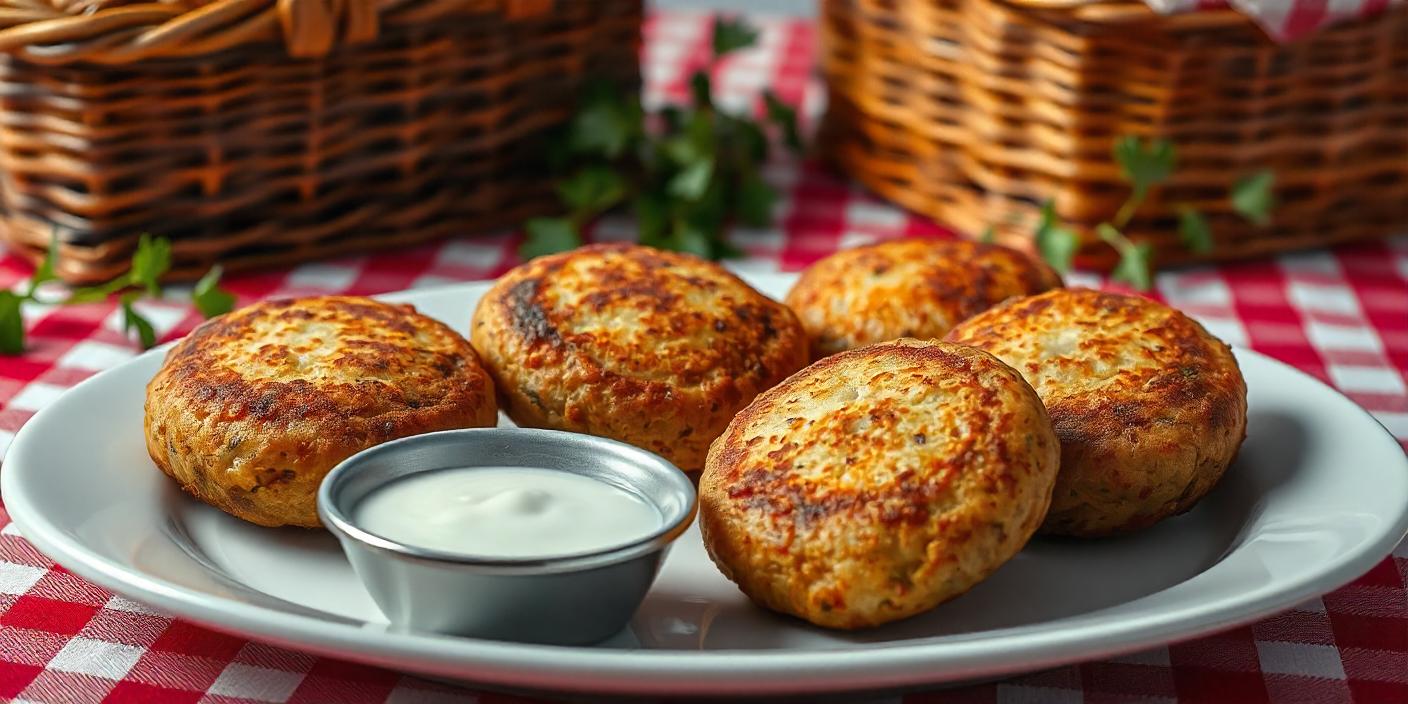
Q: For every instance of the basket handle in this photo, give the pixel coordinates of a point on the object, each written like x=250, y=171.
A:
x=124, y=31
x=526, y=9
x=311, y=27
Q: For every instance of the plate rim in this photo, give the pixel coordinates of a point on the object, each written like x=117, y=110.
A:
x=640, y=671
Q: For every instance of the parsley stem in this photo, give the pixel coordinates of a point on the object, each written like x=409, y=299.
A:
x=1114, y=237
x=1126, y=211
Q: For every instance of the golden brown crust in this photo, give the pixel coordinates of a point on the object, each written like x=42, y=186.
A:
x=1150, y=407
x=252, y=409
x=878, y=483
x=908, y=288
x=652, y=348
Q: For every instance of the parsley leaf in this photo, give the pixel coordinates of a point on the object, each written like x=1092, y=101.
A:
x=693, y=181
x=209, y=298
x=680, y=149
x=93, y=294
x=671, y=117
x=11, y=323
x=557, y=146
x=989, y=235
x=1136, y=259
x=1193, y=230
x=131, y=320
x=152, y=259
x=592, y=190
x=785, y=117
x=724, y=249
x=732, y=34
x=1254, y=196
x=45, y=271
x=748, y=137
x=1145, y=167
x=1135, y=267
x=701, y=90
x=548, y=236
x=604, y=127
x=690, y=171
x=149, y=263
x=1056, y=243
x=755, y=201
x=692, y=240
x=652, y=217
x=695, y=143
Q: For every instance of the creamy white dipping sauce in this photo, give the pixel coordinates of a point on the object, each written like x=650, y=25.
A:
x=506, y=512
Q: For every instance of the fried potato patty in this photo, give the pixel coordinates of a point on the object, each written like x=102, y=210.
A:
x=252, y=409
x=878, y=483
x=1149, y=406
x=908, y=288
x=652, y=348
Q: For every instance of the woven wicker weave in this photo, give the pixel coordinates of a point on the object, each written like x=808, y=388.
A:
x=973, y=112
x=263, y=131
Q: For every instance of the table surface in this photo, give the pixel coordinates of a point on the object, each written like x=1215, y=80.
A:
x=1341, y=316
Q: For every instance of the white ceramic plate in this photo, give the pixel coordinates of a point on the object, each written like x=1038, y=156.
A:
x=1317, y=497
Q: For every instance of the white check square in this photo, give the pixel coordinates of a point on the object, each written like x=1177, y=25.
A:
x=36, y=395
x=1323, y=298
x=1309, y=264
x=118, y=603
x=1397, y=425
x=97, y=658
x=258, y=683
x=322, y=277
x=1195, y=291
x=868, y=214
x=432, y=281
x=1300, y=659
x=477, y=254
x=162, y=316
x=1228, y=330
x=90, y=354
x=1343, y=337
x=18, y=579
x=853, y=239
x=1370, y=380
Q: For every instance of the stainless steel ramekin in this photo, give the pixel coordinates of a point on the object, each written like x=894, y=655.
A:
x=569, y=600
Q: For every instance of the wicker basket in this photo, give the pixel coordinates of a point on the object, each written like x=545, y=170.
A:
x=974, y=112
x=256, y=132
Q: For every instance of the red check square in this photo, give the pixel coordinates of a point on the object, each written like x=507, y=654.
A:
x=1196, y=685
x=189, y=639
x=1370, y=692
x=1385, y=633
x=15, y=677
x=51, y=615
x=137, y=693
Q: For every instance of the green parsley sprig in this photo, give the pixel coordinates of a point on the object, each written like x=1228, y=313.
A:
x=151, y=260
x=1146, y=166
x=686, y=173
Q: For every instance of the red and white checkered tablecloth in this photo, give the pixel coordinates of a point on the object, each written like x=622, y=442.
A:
x=1340, y=315
x=1284, y=20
